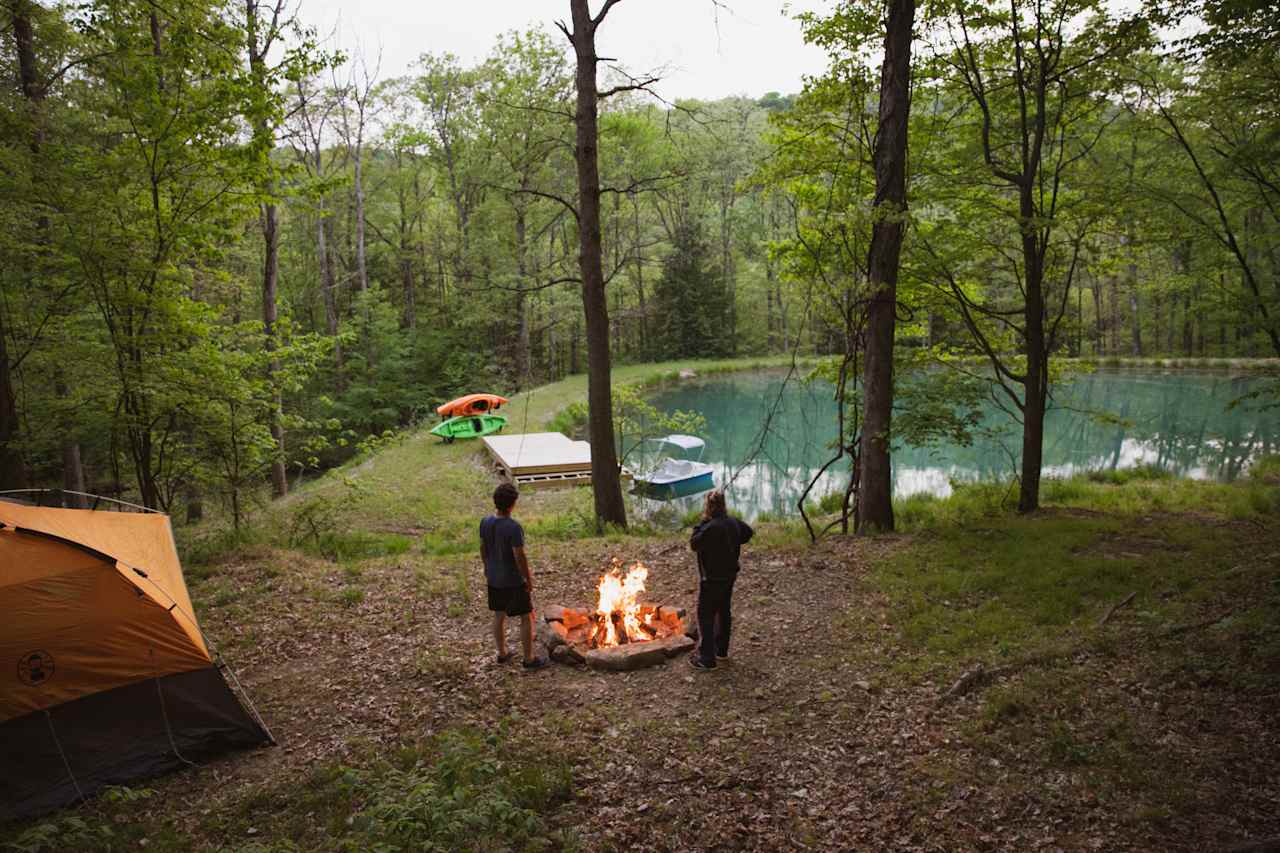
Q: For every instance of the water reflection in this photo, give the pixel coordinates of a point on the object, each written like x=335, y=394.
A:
x=1178, y=422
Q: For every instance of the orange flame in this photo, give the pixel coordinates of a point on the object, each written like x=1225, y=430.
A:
x=620, y=593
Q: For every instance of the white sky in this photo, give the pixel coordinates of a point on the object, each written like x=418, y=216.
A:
x=757, y=49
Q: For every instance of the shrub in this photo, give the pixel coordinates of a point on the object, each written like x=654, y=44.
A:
x=570, y=420
x=470, y=794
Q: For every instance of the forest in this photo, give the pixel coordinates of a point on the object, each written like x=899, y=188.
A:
x=233, y=256
x=977, y=326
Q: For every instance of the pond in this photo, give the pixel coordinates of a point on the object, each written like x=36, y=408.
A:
x=1177, y=421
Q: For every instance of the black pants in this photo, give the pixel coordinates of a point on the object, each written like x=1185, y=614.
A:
x=714, y=619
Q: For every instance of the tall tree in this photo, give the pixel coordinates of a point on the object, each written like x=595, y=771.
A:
x=1037, y=95
x=606, y=480
x=262, y=28
x=13, y=473
x=875, y=481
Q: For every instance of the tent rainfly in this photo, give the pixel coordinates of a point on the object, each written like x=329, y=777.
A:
x=105, y=677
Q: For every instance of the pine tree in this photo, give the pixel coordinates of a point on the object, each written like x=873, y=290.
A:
x=691, y=298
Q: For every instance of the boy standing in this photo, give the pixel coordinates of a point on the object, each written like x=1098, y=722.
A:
x=506, y=571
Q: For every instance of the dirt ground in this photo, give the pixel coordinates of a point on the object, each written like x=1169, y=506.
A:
x=807, y=738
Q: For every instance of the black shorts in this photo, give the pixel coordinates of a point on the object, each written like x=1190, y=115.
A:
x=512, y=600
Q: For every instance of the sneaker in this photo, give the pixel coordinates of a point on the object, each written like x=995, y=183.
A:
x=697, y=663
x=504, y=658
x=536, y=663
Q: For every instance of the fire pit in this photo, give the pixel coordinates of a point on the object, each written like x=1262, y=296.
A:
x=622, y=632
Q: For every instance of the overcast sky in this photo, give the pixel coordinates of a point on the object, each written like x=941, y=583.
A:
x=750, y=48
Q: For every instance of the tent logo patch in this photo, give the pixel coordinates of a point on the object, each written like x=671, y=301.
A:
x=35, y=668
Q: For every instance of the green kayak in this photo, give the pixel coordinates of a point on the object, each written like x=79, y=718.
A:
x=470, y=426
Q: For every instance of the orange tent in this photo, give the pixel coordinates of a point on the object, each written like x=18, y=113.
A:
x=105, y=676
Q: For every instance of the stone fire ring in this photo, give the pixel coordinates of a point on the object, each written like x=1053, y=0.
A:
x=555, y=629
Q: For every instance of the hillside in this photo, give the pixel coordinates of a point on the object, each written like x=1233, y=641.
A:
x=1129, y=670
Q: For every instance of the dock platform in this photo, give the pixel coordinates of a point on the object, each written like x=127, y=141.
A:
x=541, y=458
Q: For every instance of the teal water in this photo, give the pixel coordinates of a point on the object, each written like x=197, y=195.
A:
x=1178, y=422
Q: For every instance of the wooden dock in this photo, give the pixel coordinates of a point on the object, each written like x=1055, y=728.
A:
x=541, y=458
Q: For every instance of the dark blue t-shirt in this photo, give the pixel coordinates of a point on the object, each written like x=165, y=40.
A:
x=500, y=534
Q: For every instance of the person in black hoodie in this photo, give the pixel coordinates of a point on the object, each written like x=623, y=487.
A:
x=718, y=541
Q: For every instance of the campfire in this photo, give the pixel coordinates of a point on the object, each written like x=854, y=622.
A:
x=620, y=618
x=622, y=632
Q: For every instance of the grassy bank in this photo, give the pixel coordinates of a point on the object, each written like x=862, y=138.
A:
x=415, y=491
x=1220, y=365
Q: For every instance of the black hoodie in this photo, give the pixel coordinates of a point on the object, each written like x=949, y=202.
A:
x=718, y=542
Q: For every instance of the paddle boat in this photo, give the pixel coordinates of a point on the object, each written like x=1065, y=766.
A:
x=676, y=478
x=471, y=426
x=471, y=404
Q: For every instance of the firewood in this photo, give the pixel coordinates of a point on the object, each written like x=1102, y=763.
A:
x=596, y=633
x=619, y=627
x=573, y=618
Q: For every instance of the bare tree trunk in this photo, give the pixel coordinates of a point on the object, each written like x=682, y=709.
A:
x=1135, y=318
x=875, y=483
x=605, y=480
x=1136, y=321
x=1099, y=327
x=329, y=290
x=259, y=44
x=1188, y=341
x=1113, y=324
x=574, y=338
x=728, y=273
x=357, y=178
x=270, y=284
x=644, y=313
x=1036, y=385
x=770, y=324
x=523, y=344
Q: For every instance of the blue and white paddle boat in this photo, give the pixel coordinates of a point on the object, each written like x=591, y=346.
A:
x=672, y=477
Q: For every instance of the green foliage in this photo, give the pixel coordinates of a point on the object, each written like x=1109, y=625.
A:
x=1120, y=476
x=635, y=420
x=86, y=830
x=691, y=299
x=937, y=405
x=463, y=791
x=1266, y=467
x=572, y=419
x=66, y=832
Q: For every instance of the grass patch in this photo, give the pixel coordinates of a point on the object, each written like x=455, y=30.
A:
x=1133, y=491
x=1121, y=476
x=988, y=593
x=1266, y=468
x=434, y=582
x=462, y=790
x=435, y=663
x=983, y=583
x=359, y=545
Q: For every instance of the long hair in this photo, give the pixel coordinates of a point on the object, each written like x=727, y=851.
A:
x=713, y=505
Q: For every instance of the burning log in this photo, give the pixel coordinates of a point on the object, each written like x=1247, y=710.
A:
x=597, y=632
x=619, y=628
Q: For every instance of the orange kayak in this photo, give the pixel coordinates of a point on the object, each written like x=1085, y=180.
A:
x=472, y=404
